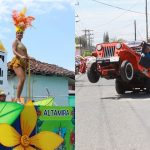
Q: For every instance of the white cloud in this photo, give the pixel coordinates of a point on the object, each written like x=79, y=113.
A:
x=4, y=31
x=51, y=4
x=40, y=6
x=37, y=7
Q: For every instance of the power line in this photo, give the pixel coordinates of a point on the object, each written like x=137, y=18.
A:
x=119, y=7
x=116, y=18
x=120, y=15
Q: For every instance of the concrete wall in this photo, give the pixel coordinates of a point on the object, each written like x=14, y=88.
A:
x=57, y=87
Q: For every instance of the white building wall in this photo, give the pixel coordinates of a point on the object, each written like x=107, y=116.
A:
x=3, y=73
x=57, y=87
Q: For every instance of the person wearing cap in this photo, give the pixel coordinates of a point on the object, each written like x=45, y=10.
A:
x=2, y=96
x=20, y=62
x=147, y=52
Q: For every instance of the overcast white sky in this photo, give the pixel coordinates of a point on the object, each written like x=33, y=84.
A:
x=118, y=23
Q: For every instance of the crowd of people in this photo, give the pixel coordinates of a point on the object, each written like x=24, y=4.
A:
x=82, y=63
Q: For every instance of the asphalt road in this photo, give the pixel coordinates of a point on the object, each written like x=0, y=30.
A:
x=108, y=121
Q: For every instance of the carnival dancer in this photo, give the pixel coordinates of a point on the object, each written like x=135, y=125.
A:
x=20, y=62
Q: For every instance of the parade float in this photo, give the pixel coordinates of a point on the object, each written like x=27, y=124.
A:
x=36, y=124
x=53, y=126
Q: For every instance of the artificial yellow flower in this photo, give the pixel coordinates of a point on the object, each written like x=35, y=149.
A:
x=46, y=140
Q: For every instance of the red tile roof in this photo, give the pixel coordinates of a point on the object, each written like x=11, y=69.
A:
x=37, y=67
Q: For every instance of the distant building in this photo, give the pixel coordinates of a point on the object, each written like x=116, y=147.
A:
x=78, y=50
x=46, y=79
x=83, y=51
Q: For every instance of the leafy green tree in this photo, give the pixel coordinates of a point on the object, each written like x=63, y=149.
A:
x=81, y=40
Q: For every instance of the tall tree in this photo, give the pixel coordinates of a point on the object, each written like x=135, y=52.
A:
x=106, y=37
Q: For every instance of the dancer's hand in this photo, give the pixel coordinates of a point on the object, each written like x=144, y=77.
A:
x=23, y=57
x=30, y=58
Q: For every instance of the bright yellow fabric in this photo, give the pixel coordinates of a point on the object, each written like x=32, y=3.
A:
x=19, y=29
x=30, y=148
x=46, y=140
x=20, y=147
x=28, y=124
x=7, y=133
x=18, y=62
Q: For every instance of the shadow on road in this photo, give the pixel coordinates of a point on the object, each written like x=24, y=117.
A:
x=131, y=95
x=91, y=85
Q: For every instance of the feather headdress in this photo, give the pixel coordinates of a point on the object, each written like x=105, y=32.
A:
x=21, y=21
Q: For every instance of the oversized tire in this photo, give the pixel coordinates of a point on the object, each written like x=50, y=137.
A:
x=126, y=71
x=119, y=87
x=92, y=73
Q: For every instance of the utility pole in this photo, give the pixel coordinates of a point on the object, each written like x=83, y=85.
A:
x=135, y=29
x=88, y=36
x=76, y=16
x=85, y=34
x=91, y=39
x=146, y=20
x=77, y=20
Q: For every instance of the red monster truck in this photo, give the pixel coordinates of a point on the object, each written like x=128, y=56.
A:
x=123, y=62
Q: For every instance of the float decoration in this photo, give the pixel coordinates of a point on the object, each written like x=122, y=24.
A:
x=9, y=112
x=45, y=140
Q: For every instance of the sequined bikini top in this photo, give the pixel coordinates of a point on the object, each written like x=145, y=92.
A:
x=20, y=46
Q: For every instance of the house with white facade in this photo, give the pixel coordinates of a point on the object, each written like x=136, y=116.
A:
x=3, y=69
x=45, y=80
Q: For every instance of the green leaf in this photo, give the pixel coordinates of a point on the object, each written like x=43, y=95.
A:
x=9, y=112
x=45, y=102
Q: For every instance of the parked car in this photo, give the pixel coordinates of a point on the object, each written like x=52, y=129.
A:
x=122, y=62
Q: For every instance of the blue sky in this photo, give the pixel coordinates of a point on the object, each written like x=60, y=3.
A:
x=51, y=40
x=118, y=23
